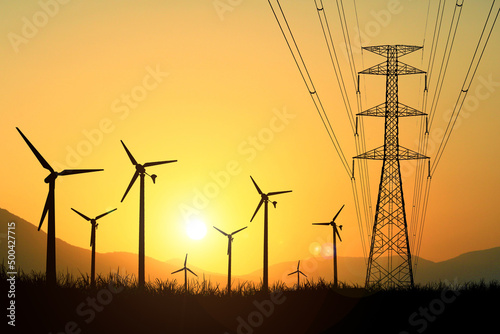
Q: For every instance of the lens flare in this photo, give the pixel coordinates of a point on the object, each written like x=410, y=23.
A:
x=315, y=248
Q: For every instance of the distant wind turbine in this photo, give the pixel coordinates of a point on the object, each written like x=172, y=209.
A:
x=92, y=221
x=50, y=268
x=264, y=198
x=335, y=234
x=298, y=272
x=229, y=244
x=186, y=269
x=140, y=170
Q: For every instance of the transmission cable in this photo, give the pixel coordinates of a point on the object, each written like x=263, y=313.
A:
x=465, y=88
x=335, y=63
x=312, y=90
x=447, y=54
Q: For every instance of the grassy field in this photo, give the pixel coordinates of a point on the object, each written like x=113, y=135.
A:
x=117, y=305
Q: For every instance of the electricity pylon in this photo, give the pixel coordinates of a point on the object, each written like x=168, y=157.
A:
x=389, y=263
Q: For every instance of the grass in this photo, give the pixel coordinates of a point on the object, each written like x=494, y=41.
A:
x=315, y=307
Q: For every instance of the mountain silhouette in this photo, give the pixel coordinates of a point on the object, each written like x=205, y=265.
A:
x=31, y=245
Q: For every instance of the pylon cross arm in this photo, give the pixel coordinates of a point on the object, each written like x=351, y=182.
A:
x=400, y=50
x=380, y=111
x=400, y=69
x=403, y=153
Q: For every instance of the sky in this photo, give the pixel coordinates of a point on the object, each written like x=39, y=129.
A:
x=213, y=85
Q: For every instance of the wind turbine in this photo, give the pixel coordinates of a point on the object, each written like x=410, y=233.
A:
x=264, y=198
x=298, y=272
x=50, y=267
x=92, y=240
x=335, y=234
x=186, y=269
x=229, y=244
x=140, y=170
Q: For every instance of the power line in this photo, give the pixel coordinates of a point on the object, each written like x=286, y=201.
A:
x=422, y=223
x=456, y=110
x=310, y=85
x=341, y=83
x=345, y=33
x=335, y=63
x=423, y=133
x=465, y=88
x=358, y=215
x=359, y=139
x=447, y=54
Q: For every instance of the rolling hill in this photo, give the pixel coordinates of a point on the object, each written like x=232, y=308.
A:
x=30, y=256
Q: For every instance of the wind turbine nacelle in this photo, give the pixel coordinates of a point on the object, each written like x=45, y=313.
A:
x=140, y=168
x=51, y=177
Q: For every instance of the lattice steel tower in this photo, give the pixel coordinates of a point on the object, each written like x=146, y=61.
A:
x=389, y=263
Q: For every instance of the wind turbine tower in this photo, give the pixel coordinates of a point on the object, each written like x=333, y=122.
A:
x=185, y=269
x=50, y=209
x=264, y=199
x=140, y=171
x=298, y=272
x=229, y=253
x=335, y=235
x=94, y=225
x=389, y=262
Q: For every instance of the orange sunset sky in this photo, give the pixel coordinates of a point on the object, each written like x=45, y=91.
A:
x=217, y=89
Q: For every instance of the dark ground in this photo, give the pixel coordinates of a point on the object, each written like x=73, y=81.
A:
x=118, y=309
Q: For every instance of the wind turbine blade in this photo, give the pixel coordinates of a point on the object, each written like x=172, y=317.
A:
x=129, y=154
x=221, y=231
x=292, y=273
x=258, y=207
x=185, y=260
x=81, y=214
x=45, y=210
x=148, y=164
x=321, y=223
x=298, y=265
x=136, y=174
x=300, y=272
x=100, y=216
x=191, y=272
x=44, y=162
x=173, y=272
x=337, y=232
x=256, y=186
x=78, y=171
x=241, y=229
x=338, y=213
x=278, y=192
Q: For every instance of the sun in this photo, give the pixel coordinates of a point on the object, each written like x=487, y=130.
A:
x=196, y=229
